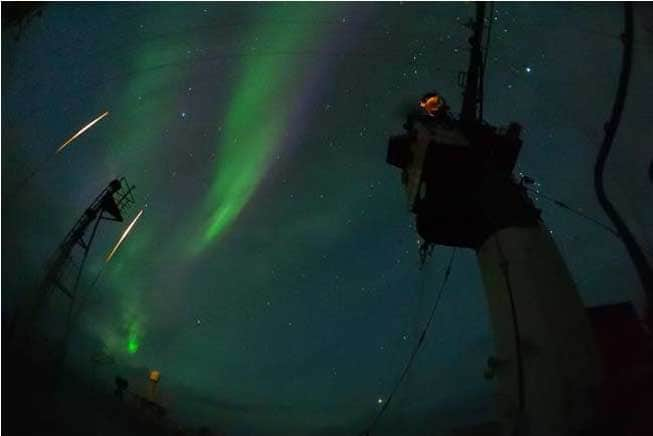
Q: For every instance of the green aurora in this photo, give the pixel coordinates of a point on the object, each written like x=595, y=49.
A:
x=252, y=130
x=256, y=120
x=144, y=94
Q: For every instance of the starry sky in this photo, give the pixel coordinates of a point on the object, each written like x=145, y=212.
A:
x=273, y=278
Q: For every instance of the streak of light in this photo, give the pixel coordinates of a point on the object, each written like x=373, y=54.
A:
x=124, y=235
x=81, y=131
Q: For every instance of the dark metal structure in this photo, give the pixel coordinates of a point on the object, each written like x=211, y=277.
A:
x=19, y=14
x=65, y=269
x=458, y=171
x=458, y=177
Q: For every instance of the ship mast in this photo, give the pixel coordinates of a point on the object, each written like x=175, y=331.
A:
x=458, y=177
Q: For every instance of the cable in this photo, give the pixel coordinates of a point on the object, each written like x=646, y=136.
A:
x=418, y=346
x=504, y=265
x=185, y=62
x=575, y=211
x=484, y=63
x=489, y=34
x=87, y=296
x=25, y=181
x=640, y=262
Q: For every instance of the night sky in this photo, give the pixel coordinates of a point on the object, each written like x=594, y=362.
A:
x=273, y=278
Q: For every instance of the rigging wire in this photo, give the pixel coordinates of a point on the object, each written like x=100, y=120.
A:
x=212, y=58
x=136, y=41
x=575, y=211
x=418, y=346
x=369, y=26
x=504, y=265
x=484, y=63
x=86, y=298
x=22, y=183
x=125, y=42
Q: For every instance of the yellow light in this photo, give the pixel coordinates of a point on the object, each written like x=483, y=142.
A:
x=82, y=130
x=155, y=375
x=124, y=235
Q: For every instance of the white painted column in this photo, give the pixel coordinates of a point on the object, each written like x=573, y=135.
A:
x=559, y=361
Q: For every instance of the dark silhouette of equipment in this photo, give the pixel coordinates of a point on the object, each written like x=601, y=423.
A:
x=458, y=177
x=458, y=172
x=121, y=387
x=64, y=271
x=19, y=14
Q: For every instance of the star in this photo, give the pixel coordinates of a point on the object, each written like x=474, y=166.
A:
x=231, y=233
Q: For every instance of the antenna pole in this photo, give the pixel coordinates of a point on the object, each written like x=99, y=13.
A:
x=471, y=96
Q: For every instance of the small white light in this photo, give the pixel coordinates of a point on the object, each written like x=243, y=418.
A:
x=380, y=400
x=528, y=69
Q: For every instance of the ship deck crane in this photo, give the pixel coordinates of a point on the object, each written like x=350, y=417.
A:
x=57, y=295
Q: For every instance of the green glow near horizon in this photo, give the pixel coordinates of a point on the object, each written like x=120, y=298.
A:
x=147, y=97
x=133, y=337
x=132, y=345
